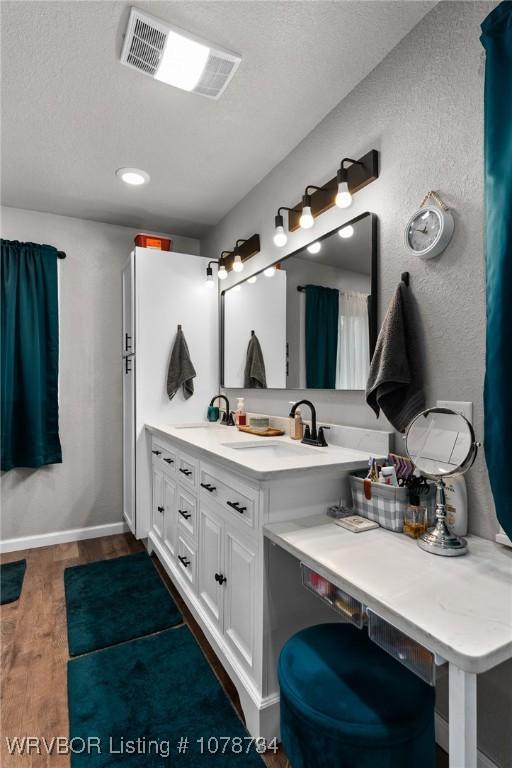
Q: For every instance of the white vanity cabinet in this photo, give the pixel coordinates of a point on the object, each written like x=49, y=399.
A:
x=208, y=513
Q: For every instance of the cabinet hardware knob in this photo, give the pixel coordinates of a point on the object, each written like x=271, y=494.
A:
x=235, y=505
x=186, y=472
x=185, y=514
x=184, y=561
x=220, y=578
x=160, y=509
x=169, y=461
x=157, y=453
x=208, y=487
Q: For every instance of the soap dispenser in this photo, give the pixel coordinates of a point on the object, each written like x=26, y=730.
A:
x=297, y=425
x=240, y=414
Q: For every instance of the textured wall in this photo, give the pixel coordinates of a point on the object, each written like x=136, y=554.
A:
x=422, y=109
x=86, y=488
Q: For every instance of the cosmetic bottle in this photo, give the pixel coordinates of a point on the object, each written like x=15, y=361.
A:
x=297, y=426
x=456, y=505
x=240, y=414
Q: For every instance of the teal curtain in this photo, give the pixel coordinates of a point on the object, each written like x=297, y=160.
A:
x=29, y=355
x=497, y=41
x=322, y=313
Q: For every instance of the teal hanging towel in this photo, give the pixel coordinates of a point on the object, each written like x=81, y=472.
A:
x=322, y=315
x=29, y=355
x=497, y=41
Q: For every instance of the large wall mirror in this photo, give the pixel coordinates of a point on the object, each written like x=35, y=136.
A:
x=309, y=321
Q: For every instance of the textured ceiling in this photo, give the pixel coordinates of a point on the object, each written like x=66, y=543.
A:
x=71, y=114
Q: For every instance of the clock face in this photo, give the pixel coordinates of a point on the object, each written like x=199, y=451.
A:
x=424, y=230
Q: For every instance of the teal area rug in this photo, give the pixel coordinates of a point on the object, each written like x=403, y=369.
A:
x=138, y=700
x=11, y=580
x=113, y=601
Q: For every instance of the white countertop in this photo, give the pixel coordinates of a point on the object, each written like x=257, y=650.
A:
x=213, y=441
x=458, y=607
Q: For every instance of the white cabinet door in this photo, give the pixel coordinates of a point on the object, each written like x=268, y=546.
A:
x=170, y=493
x=157, y=514
x=211, y=589
x=129, y=442
x=128, y=283
x=240, y=571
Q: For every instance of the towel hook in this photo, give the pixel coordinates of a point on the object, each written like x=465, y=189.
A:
x=179, y=327
x=406, y=278
x=252, y=333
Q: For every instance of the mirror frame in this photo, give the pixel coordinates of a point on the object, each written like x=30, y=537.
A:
x=373, y=304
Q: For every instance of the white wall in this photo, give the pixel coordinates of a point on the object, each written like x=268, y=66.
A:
x=86, y=489
x=422, y=108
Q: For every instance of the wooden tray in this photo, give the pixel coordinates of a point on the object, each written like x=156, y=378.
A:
x=270, y=432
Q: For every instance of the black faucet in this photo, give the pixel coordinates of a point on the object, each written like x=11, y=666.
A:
x=227, y=418
x=311, y=437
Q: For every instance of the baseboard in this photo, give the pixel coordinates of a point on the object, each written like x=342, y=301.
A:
x=442, y=739
x=62, y=537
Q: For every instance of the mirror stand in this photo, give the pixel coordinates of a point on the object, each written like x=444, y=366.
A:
x=439, y=540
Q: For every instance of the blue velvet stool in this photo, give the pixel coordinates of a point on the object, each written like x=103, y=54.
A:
x=345, y=703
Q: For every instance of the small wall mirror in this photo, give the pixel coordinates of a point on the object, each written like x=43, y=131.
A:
x=314, y=314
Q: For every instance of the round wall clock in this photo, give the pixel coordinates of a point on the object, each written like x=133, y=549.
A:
x=429, y=231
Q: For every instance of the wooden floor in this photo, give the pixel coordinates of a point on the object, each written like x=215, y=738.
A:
x=34, y=650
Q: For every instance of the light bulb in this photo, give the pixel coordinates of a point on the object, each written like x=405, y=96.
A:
x=280, y=237
x=252, y=279
x=346, y=232
x=315, y=247
x=270, y=272
x=222, y=273
x=343, y=198
x=238, y=264
x=306, y=220
x=209, y=281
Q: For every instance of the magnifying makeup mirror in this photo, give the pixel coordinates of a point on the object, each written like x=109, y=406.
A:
x=441, y=443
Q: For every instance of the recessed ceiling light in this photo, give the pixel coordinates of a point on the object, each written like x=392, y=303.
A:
x=133, y=176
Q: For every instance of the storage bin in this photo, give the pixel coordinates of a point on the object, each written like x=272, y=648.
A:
x=335, y=597
x=386, y=506
x=403, y=648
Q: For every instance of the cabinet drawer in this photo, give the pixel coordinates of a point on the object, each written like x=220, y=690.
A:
x=187, y=512
x=187, y=560
x=187, y=470
x=241, y=501
x=164, y=456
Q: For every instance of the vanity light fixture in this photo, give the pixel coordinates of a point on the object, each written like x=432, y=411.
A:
x=209, y=274
x=280, y=236
x=352, y=176
x=269, y=272
x=346, y=232
x=344, y=198
x=243, y=250
x=315, y=247
x=132, y=176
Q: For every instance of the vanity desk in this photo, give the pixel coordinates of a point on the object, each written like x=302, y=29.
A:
x=459, y=608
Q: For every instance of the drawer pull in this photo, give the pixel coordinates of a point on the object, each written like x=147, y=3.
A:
x=169, y=461
x=185, y=472
x=157, y=453
x=208, y=487
x=185, y=514
x=184, y=561
x=220, y=578
x=127, y=342
x=236, y=506
x=160, y=509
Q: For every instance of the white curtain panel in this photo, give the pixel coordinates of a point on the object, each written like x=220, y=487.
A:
x=353, y=361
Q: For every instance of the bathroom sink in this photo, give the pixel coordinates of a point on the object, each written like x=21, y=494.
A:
x=270, y=449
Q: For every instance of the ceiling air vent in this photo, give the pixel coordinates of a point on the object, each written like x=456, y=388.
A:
x=176, y=57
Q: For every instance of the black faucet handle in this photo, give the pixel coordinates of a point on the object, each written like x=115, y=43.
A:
x=321, y=436
x=307, y=432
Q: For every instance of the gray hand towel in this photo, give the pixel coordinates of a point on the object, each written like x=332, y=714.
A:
x=181, y=371
x=395, y=378
x=254, y=374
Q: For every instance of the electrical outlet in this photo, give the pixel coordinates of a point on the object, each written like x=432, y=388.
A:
x=461, y=406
